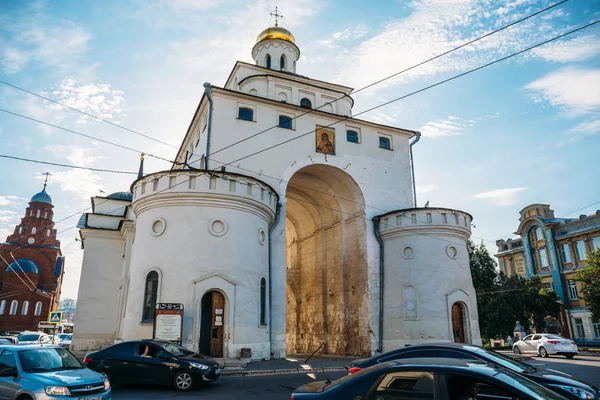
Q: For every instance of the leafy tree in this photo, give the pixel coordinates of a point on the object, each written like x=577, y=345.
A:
x=590, y=277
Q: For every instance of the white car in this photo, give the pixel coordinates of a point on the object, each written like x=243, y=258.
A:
x=545, y=344
x=65, y=339
x=33, y=338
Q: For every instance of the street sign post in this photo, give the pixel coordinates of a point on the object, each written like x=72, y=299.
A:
x=55, y=318
x=168, y=322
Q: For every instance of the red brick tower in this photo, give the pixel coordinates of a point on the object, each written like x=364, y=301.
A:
x=31, y=268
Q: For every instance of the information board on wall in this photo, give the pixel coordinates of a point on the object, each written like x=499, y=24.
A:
x=168, y=322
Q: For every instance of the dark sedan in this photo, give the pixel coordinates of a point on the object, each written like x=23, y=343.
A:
x=429, y=379
x=155, y=362
x=566, y=385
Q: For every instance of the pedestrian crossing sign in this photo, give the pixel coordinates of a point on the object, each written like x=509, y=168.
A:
x=55, y=317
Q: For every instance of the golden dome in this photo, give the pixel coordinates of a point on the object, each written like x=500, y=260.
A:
x=276, y=32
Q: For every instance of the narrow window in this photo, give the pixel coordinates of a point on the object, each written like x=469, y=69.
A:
x=33, y=230
x=13, y=307
x=596, y=242
x=352, y=136
x=263, y=301
x=268, y=61
x=538, y=234
x=155, y=185
x=543, y=258
x=143, y=187
x=573, y=291
x=566, y=253
x=580, y=332
x=444, y=218
x=246, y=114
x=285, y=122
x=385, y=143
x=305, y=103
x=48, y=232
x=150, y=296
x=45, y=214
x=192, y=182
x=429, y=219
x=2, y=307
x=38, y=309
x=580, y=250
x=38, y=213
x=172, y=180
x=413, y=218
x=282, y=62
x=25, y=308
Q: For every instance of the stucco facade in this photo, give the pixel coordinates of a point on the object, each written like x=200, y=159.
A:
x=276, y=250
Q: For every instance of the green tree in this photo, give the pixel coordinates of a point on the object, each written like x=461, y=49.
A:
x=590, y=277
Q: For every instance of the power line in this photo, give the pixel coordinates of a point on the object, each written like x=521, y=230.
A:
x=86, y=113
x=67, y=165
x=581, y=208
x=421, y=90
x=87, y=136
x=398, y=73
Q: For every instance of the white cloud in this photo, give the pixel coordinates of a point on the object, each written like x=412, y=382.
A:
x=422, y=189
x=586, y=128
x=578, y=49
x=452, y=126
x=93, y=98
x=572, y=88
x=345, y=34
x=10, y=200
x=9, y=216
x=501, y=197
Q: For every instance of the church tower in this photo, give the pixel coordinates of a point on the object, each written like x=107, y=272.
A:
x=31, y=268
x=276, y=48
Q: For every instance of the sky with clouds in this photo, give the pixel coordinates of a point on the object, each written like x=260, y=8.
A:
x=523, y=131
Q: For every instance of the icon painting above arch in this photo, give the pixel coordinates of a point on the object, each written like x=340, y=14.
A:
x=325, y=140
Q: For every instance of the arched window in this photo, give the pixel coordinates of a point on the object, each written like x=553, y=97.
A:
x=263, y=301
x=13, y=307
x=246, y=114
x=33, y=230
x=352, y=136
x=2, y=307
x=45, y=214
x=25, y=308
x=306, y=103
x=268, y=61
x=48, y=232
x=285, y=122
x=38, y=213
x=150, y=296
x=38, y=308
x=282, y=62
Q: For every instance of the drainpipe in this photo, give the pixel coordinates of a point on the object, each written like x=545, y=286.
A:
x=277, y=214
x=417, y=137
x=381, y=259
x=207, y=88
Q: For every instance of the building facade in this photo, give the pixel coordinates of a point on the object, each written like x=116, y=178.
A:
x=33, y=268
x=555, y=248
x=284, y=251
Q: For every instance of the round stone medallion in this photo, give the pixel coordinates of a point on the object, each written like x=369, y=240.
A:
x=408, y=252
x=262, y=236
x=158, y=227
x=451, y=251
x=217, y=227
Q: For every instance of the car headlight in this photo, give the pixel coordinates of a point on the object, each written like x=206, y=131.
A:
x=579, y=393
x=198, y=365
x=58, y=390
x=106, y=384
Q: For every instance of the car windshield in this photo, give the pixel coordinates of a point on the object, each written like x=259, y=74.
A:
x=64, y=336
x=501, y=359
x=176, y=350
x=533, y=389
x=28, y=337
x=46, y=359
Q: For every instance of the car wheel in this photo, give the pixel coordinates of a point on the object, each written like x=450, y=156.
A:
x=542, y=352
x=516, y=350
x=183, y=381
x=570, y=356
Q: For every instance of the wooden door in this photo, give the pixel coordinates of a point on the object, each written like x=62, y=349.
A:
x=458, y=323
x=212, y=324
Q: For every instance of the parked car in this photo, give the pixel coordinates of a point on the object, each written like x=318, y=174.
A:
x=8, y=338
x=545, y=344
x=6, y=341
x=65, y=339
x=153, y=361
x=33, y=338
x=54, y=340
x=567, y=385
x=36, y=372
x=431, y=379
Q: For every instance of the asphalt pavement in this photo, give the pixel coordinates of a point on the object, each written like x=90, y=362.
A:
x=272, y=387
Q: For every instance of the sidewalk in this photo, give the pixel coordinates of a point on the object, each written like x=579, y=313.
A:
x=292, y=364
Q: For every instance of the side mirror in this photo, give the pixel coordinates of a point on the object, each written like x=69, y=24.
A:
x=7, y=372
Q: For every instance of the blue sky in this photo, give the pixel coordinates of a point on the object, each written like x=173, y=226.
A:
x=523, y=131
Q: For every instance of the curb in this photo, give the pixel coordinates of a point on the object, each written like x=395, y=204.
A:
x=267, y=372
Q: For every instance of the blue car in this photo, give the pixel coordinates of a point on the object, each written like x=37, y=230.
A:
x=47, y=372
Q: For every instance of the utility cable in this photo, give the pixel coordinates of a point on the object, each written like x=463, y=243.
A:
x=67, y=165
x=421, y=90
x=397, y=73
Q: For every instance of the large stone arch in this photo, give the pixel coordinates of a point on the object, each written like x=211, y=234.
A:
x=327, y=269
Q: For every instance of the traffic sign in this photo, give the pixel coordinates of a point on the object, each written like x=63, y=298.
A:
x=55, y=317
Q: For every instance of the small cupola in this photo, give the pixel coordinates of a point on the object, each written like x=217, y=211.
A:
x=276, y=48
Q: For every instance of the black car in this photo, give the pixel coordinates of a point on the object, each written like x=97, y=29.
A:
x=429, y=379
x=565, y=384
x=153, y=361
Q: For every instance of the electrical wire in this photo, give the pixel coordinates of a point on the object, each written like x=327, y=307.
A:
x=66, y=165
x=420, y=90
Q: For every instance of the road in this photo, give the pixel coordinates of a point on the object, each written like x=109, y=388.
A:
x=281, y=386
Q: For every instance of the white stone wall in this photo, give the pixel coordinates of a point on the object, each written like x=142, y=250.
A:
x=426, y=270
x=99, y=290
x=276, y=48
x=193, y=256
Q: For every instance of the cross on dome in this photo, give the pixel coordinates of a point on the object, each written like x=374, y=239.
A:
x=277, y=16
